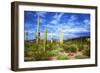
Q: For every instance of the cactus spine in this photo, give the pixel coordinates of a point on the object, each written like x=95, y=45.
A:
x=61, y=36
x=38, y=31
x=45, y=38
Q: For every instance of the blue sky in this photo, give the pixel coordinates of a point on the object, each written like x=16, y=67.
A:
x=73, y=24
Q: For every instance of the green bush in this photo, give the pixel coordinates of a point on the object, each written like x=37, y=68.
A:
x=86, y=52
x=62, y=57
x=28, y=53
x=52, y=53
x=64, y=46
x=38, y=52
x=80, y=47
x=72, y=48
x=55, y=52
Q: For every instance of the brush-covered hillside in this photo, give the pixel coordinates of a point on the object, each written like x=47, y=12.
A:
x=75, y=48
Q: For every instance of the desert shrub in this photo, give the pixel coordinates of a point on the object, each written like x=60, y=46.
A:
x=79, y=57
x=62, y=57
x=52, y=53
x=40, y=54
x=55, y=52
x=28, y=52
x=80, y=47
x=54, y=45
x=64, y=46
x=72, y=48
x=34, y=51
x=86, y=52
x=86, y=46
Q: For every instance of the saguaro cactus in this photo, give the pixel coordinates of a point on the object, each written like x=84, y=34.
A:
x=51, y=37
x=35, y=35
x=38, y=31
x=45, y=38
x=61, y=36
x=26, y=34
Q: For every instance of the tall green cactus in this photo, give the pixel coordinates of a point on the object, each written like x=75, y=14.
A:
x=38, y=31
x=45, y=38
x=26, y=34
x=61, y=36
x=51, y=36
x=35, y=35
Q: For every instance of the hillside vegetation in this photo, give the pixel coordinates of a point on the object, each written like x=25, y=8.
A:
x=77, y=48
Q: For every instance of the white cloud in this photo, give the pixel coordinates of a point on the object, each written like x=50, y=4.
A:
x=86, y=21
x=69, y=35
x=30, y=31
x=42, y=20
x=66, y=27
x=86, y=24
x=72, y=18
x=57, y=18
x=54, y=22
x=71, y=21
x=50, y=26
x=75, y=30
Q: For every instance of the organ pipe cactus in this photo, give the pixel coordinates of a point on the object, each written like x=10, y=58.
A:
x=38, y=31
x=61, y=37
x=45, y=38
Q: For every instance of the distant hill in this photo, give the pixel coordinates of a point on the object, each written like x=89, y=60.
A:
x=78, y=38
x=71, y=39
